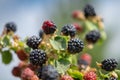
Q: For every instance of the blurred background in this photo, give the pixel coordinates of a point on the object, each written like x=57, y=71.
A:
x=30, y=14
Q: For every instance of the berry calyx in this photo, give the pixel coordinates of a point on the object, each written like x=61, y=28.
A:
x=49, y=27
x=38, y=57
x=109, y=64
x=75, y=46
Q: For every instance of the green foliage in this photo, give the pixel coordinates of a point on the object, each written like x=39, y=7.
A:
x=59, y=43
x=6, y=57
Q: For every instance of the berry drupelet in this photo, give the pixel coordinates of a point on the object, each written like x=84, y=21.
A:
x=49, y=27
x=33, y=42
x=11, y=26
x=93, y=36
x=109, y=64
x=48, y=72
x=68, y=30
x=38, y=57
x=89, y=11
x=75, y=46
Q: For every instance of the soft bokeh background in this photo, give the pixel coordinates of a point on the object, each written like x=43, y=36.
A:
x=29, y=15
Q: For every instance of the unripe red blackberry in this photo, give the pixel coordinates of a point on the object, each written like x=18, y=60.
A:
x=48, y=72
x=33, y=42
x=109, y=64
x=16, y=71
x=66, y=77
x=49, y=27
x=68, y=30
x=27, y=74
x=38, y=57
x=89, y=11
x=75, y=46
x=78, y=27
x=22, y=55
x=34, y=78
x=90, y=76
x=11, y=26
x=93, y=36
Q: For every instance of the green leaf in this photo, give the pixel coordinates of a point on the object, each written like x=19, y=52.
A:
x=59, y=43
x=6, y=57
x=6, y=40
x=62, y=66
x=90, y=26
x=118, y=73
x=75, y=74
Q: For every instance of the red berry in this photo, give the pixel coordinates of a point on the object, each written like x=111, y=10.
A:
x=86, y=57
x=90, y=76
x=49, y=27
x=16, y=71
x=34, y=78
x=22, y=64
x=77, y=27
x=75, y=14
x=27, y=74
x=32, y=67
x=66, y=77
x=22, y=55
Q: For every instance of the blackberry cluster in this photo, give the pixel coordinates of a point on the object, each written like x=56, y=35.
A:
x=89, y=11
x=75, y=46
x=48, y=72
x=68, y=30
x=33, y=42
x=49, y=27
x=11, y=26
x=93, y=36
x=109, y=64
x=38, y=57
x=111, y=78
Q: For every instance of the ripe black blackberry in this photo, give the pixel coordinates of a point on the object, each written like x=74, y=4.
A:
x=111, y=78
x=33, y=42
x=49, y=27
x=89, y=11
x=93, y=36
x=11, y=26
x=48, y=72
x=68, y=30
x=109, y=64
x=75, y=46
x=38, y=57
x=41, y=33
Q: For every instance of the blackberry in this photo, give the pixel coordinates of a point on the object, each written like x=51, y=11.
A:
x=11, y=26
x=49, y=27
x=89, y=11
x=38, y=57
x=75, y=46
x=68, y=30
x=48, y=72
x=41, y=33
x=33, y=42
x=93, y=36
x=111, y=78
x=109, y=64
